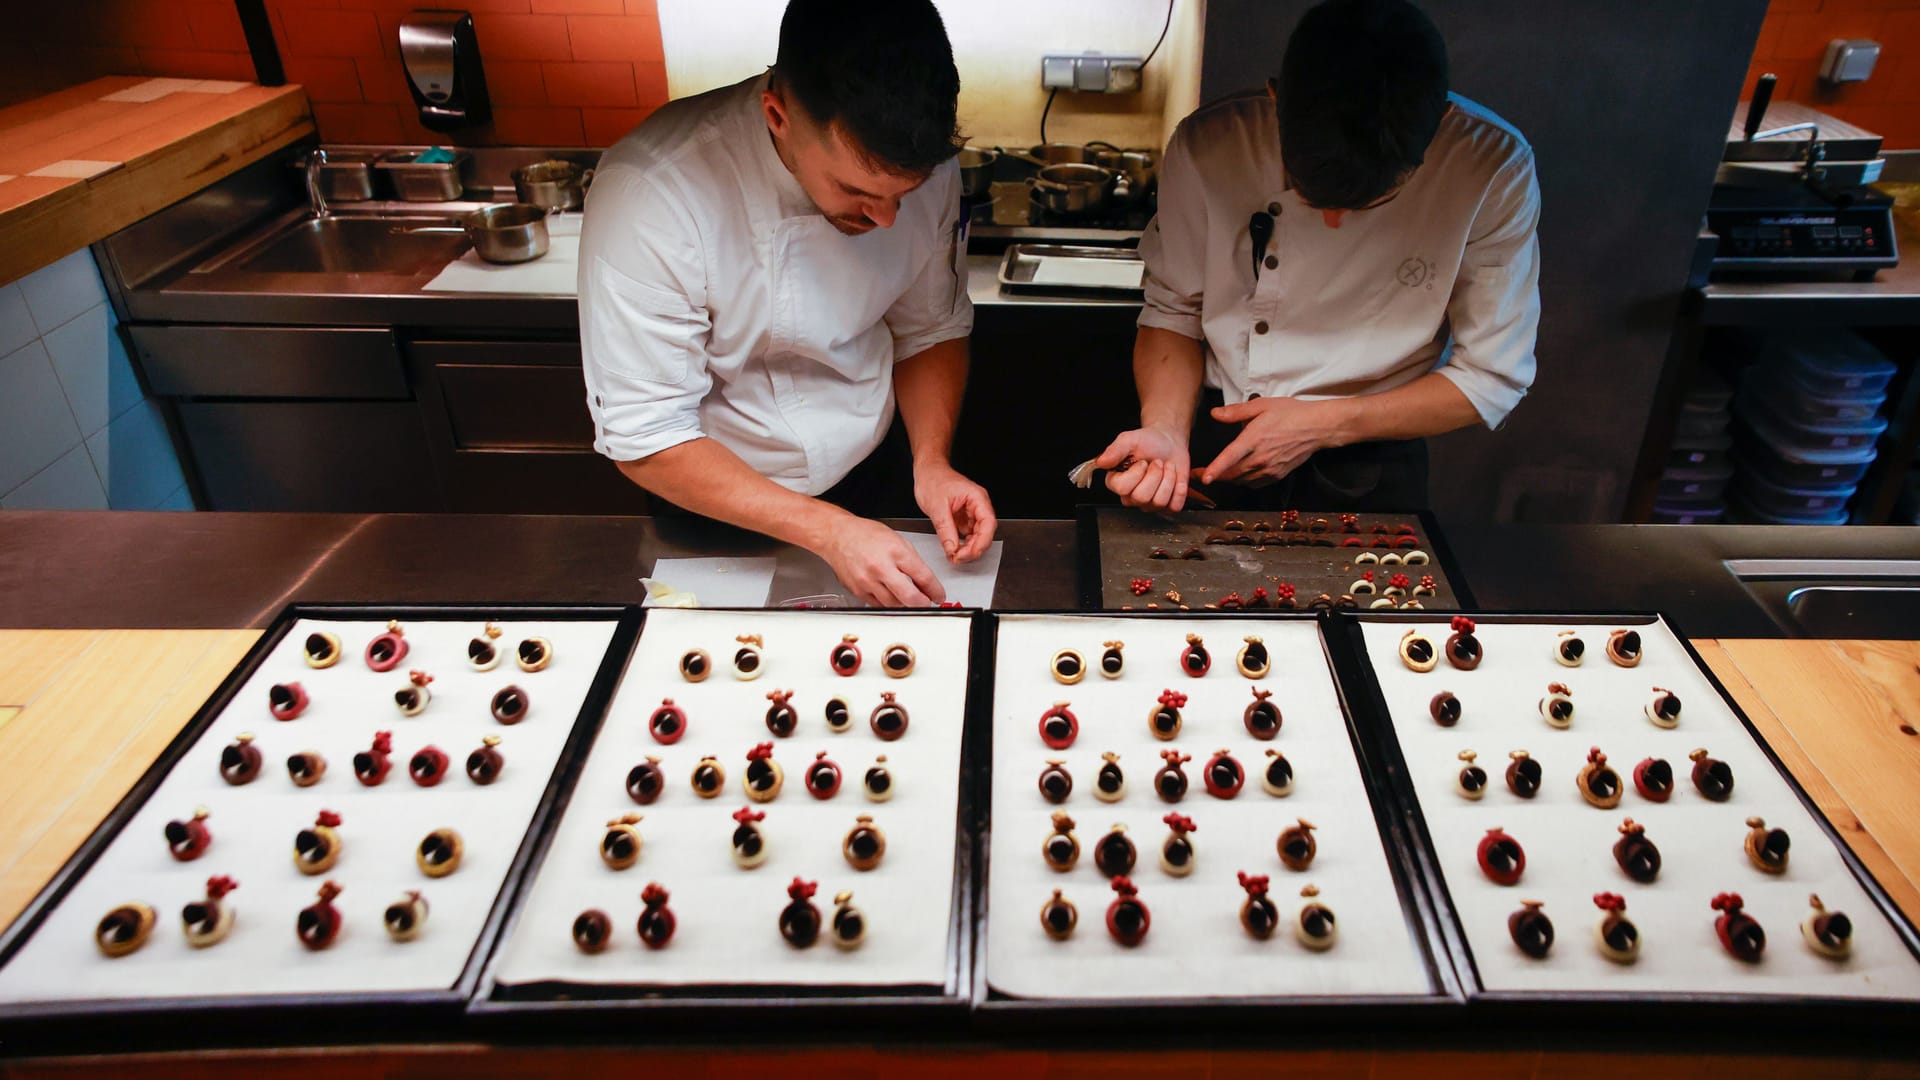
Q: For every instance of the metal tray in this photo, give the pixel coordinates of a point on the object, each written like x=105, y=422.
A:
x=1871, y=1025
x=547, y=1009
x=1021, y=261
x=1310, y=1015
x=432, y=182
x=290, y=1019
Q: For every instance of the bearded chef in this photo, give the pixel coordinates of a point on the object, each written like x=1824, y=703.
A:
x=766, y=269
x=1340, y=267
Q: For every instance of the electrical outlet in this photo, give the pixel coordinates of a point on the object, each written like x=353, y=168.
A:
x=1091, y=73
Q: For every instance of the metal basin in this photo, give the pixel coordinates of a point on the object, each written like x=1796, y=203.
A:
x=1837, y=598
x=350, y=245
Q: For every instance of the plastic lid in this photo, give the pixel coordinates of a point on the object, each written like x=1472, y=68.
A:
x=1781, y=377
x=1835, y=517
x=1783, y=444
x=1833, y=352
x=1753, y=408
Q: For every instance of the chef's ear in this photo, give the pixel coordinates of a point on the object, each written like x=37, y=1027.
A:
x=774, y=106
x=1273, y=89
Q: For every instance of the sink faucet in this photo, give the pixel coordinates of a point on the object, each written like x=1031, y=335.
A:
x=316, y=200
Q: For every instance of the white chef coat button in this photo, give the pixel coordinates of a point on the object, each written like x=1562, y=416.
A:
x=1260, y=327
x=1273, y=208
x=1253, y=397
x=1273, y=262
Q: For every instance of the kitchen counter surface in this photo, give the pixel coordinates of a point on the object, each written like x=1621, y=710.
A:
x=207, y=570
x=80, y=164
x=1891, y=298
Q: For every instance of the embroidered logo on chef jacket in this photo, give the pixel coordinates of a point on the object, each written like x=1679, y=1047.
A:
x=1415, y=272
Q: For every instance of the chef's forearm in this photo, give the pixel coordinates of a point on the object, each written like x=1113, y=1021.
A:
x=929, y=385
x=707, y=478
x=1429, y=405
x=1166, y=371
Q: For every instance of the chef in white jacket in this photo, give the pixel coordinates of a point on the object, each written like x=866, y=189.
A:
x=766, y=269
x=1341, y=266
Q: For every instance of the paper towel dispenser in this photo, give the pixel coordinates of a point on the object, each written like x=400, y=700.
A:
x=442, y=60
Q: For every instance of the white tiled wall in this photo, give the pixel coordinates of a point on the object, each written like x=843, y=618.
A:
x=75, y=432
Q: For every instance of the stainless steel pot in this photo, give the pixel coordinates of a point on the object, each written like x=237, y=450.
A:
x=555, y=185
x=976, y=171
x=1072, y=188
x=507, y=232
x=1138, y=167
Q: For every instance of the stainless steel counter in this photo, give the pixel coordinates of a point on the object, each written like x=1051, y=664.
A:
x=77, y=569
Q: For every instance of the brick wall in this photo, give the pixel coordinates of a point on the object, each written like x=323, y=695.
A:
x=1795, y=36
x=559, y=72
x=47, y=45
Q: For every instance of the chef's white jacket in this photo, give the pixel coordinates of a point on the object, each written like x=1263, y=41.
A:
x=1445, y=274
x=715, y=299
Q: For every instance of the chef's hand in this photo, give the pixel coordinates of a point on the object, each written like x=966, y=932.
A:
x=880, y=566
x=1157, y=479
x=1278, y=435
x=961, y=513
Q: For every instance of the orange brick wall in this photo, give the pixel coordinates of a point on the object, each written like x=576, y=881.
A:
x=46, y=45
x=559, y=72
x=1795, y=36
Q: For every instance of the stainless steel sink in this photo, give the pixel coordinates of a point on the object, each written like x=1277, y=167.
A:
x=1836, y=598
x=353, y=245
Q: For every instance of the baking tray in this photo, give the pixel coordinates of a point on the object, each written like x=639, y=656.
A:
x=280, y=1018
x=1239, y=1016
x=1785, y=1019
x=1114, y=542
x=541, y=1009
x=1021, y=261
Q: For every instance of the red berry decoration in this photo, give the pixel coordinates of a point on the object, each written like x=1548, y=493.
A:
x=370, y=766
x=286, y=701
x=1350, y=523
x=1127, y=918
x=1259, y=599
x=1141, y=586
x=1400, y=581
x=656, y=919
x=1463, y=649
x=1223, y=775
x=1738, y=933
x=1283, y=594
x=1289, y=519
x=1059, y=727
x=1501, y=858
x=668, y=723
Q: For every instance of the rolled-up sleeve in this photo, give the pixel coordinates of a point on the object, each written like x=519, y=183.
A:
x=643, y=318
x=1174, y=246
x=1495, y=308
x=936, y=307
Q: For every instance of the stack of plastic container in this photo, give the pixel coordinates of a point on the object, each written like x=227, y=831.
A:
x=1809, y=424
x=1695, y=479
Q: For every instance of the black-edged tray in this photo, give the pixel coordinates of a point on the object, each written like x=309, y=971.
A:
x=538, y=1010
x=1771, y=1020
x=1322, y=568
x=1238, y=1015
x=92, y=1025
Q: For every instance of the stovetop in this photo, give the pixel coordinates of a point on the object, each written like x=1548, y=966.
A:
x=1011, y=215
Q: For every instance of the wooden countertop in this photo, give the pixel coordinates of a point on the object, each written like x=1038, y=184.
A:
x=83, y=712
x=78, y=165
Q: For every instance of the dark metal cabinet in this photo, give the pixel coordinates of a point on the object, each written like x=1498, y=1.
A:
x=314, y=456
x=270, y=361
x=508, y=425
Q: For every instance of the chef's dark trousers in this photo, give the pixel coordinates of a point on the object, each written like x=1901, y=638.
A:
x=880, y=486
x=1376, y=477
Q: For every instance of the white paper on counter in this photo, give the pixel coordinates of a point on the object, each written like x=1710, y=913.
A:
x=967, y=584
x=1089, y=273
x=253, y=826
x=1569, y=844
x=1196, y=947
x=552, y=274
x=728, y=918
x=717, y=582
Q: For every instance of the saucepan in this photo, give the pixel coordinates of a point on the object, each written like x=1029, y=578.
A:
x=554, y=184
x=1139, y=167
x=1072, y=188
x=976, y=170
x=501, y=233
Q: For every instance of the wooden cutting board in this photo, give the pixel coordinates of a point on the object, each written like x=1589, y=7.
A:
x=90, y=160
x=84, y=712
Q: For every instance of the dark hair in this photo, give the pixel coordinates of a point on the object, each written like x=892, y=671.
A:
x=882, y=70
x=1362, y=89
